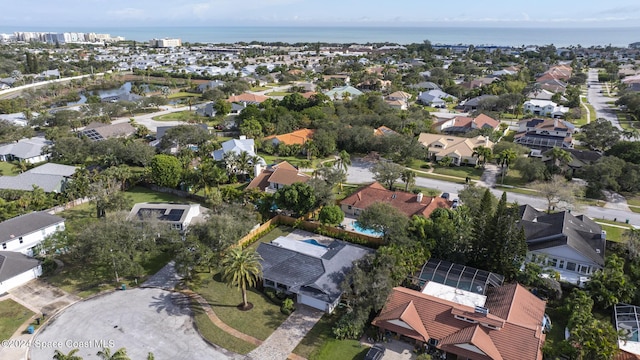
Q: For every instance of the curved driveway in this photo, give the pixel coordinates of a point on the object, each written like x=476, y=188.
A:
x=141, y=320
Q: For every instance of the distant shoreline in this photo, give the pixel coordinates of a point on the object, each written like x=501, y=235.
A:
x=490, y=36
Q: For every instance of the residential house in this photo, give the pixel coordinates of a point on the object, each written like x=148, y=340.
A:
x=553, y=85
x=49, y=177
x=209, y=111
x=463, y=124
x=8, y=81
x=478, y=83
x=32, y=150
x=209, y=85
x=17, y=269
x=398, y=100
x=544, y=134
x=177, y=216
x=450, y=319
x=343, y=92
x=459, y=149
x=556, y=72
x=237, y=146
x=312, y=271
x=545, y=108
x=407, y=203
x=473, y=104
x=343, y=77
x=425, y=86
x=435, y=98
x=277, y=176
x=96, y=131
x=298, y=137
x=22, y=233
x=383, y=131
x=543, y=94
x=162, y=130
x=571, y=245
x=247, y=99
x=579, y=158
x=627, y=323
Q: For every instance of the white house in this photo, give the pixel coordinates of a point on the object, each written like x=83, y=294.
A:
x=22, y=233
x=545, y=108
x=435, y=98
x=178, y=216
x=17, y=269
x=32, y=150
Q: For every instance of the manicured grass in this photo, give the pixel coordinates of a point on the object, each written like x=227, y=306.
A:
x=12, y=315
x=181, y=116
x=440, y=177
x=281, y=230
x=512, y=178
x=417, y=164
x=142, y=194
x=6, y=169
x=278, y=93
x=319, y=343
x=614, y=234
x=258, y=322
x=183, y=94
x=216, y=335
x=347, y=189
x=259, y=88
x=459, y=171
x=293, y=160
x=634, y=204
x=517, y=190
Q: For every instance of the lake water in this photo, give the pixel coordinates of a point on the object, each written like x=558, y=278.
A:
x=513, y=36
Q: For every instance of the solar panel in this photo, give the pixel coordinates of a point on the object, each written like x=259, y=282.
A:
x=174, y=215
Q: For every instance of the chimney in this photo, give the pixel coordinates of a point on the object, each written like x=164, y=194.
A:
x=257, y=170
x=419, y=197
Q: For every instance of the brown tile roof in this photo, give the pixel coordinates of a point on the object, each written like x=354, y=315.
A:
x=482, y=120
x=519, y=339
x=405, y=202
x=282, y=173
x=248, y=98
x=383, y=131
x=624, y=355
x=308, y=94
x=297, y=137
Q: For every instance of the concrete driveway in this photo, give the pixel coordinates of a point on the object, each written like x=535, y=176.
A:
x=43, y=297
x=141, y=320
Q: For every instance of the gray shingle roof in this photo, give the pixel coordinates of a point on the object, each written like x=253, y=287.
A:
x=549, y=230
x=13, y=264
x=26, y=181
x=54, y=169
x=27, y=224
x=25, y=148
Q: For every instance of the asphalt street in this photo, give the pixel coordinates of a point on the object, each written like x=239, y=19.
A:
x=596, y=94
x=358, y=173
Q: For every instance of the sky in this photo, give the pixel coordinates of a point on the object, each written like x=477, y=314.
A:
x=477, y=13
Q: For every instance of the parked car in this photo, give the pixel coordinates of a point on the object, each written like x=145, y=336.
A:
x=375, y=353
x=445, y=196
x=455, y=203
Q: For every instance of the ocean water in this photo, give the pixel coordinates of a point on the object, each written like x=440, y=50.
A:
x=560, y=37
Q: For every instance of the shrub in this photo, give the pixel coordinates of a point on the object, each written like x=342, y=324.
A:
x=48, y=266
x=425, y=166
x=331, y=215
x=287, y=306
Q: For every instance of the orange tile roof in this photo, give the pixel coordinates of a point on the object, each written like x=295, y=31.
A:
x=383, y=131
x=482, y=120
x=308, y=94
x=405, y=202
x=299, y=137
x=519, y=339
x=624, y=355
x=282, y=173
x=246, y=97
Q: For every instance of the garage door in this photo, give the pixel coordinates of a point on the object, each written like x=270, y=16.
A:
x=314, y=303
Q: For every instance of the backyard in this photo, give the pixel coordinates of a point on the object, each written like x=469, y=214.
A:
x=7, y=169
x=12, y=315
x=320, y=344
x=186, y=116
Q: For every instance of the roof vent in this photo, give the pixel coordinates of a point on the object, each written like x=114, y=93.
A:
x=481, y=310
x=598, y=251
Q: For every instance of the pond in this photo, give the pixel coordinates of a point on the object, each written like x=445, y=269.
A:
x=124, y=89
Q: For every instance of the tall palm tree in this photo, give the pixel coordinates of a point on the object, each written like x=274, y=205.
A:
x=408, y=178
x=241, y=268
x=483, y=153
x=559, y=157
x=505, y=158
x=20, y=166
x=344, y=160
x=120, y=354
x=245, y=162
x=58, y=355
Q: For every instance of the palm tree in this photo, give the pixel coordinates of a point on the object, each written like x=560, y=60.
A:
x=20, y=166
x=70, y=356
x=245, y=162
x=120, y=354
x=408, y=178
x=344, y=160
x=631, y=133
x=559, y=157
x=241, y=268
x=505, y=158
x=483, y=153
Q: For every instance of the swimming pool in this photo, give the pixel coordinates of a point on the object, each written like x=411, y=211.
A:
x=313, y=242
x=357, y=228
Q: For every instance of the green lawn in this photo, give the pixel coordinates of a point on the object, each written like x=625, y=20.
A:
x=181, y=116
x=182, y=94
x=258, y=322
x=634, y=204
x=12, y=315
x=142, y=194
x=512, y=178
x=6, y=169
x=216, y=335
x=281, y=230
x=459, y=171
x=614, y=233
x=293, y=160
x=259, y=88
x=320, y=344
x=278, y=93
x=440, y=177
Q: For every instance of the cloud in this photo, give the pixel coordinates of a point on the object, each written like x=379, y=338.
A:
x=127, y=14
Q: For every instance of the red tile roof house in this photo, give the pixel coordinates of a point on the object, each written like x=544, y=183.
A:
x=407, y=203
x=276, y=176
x=507, y=327
x=463, y=124
x=246, y=98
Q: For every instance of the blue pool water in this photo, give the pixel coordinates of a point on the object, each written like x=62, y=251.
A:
x=313, y=242
x=357, y=228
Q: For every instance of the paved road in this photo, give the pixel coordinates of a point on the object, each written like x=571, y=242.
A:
x=152, y=125
x=141, y=320
x=16, y=91
x=359, y=173
x=596, y=96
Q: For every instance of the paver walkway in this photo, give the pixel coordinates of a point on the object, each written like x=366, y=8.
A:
x=281, y=342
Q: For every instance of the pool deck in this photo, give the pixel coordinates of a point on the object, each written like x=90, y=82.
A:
x=347, y=224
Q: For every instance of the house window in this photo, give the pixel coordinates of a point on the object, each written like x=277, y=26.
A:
x=571, y=266
x=552, y=262
x=20, y=239
x=349, y=207
x=269, y=283
x=561, y=264
x=584, y=269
